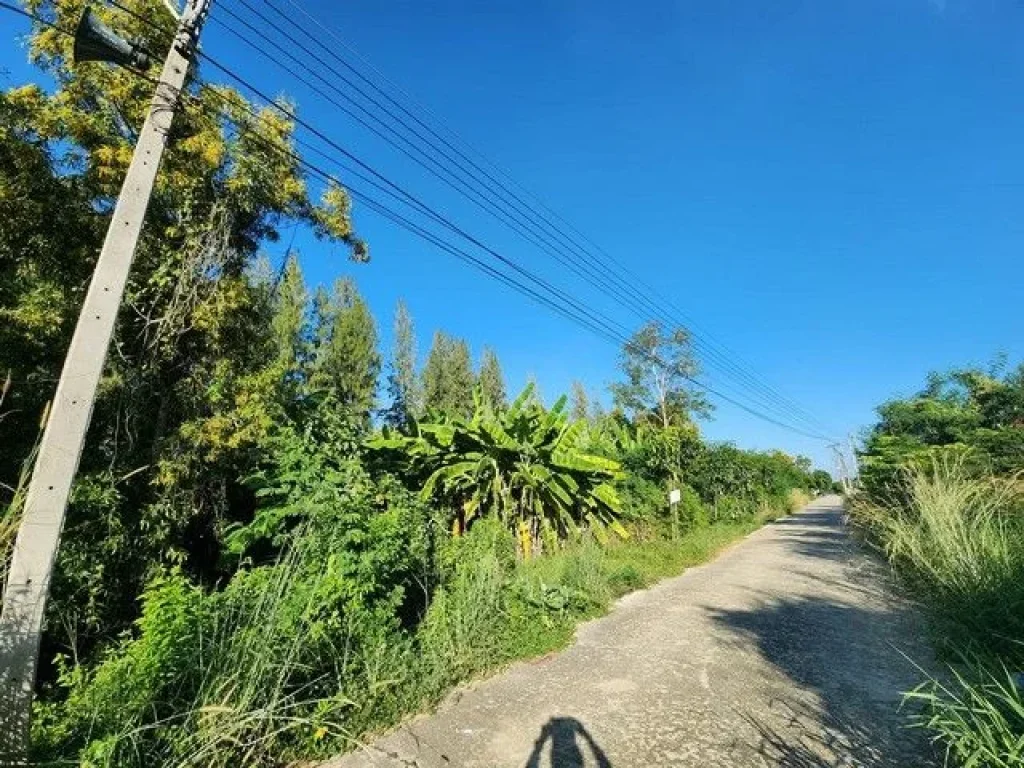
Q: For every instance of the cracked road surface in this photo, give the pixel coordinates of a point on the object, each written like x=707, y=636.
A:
x=787, y=650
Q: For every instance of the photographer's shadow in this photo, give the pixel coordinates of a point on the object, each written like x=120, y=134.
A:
x=572, y=746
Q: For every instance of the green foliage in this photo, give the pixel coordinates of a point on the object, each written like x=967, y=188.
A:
x=523, y=466
x=346, y=362
x=272, y=665
x=980, y=413
x=403, y=384
x=978, y=714
x=289, y=322
x=959, y=541
x=580, y=405
x=821, y=481
x=941, y=479
x=717, y=481
x=461, y=631
x=667, y=453
x=491, y=381
x=641, y=499
x=201, y=369
x=692, y=511
x=448, y=379
x=659, y=368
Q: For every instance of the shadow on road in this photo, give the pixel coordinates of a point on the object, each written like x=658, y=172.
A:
x=845, y=657
x=845, y=653
x=817, y=533
x=571, y=744
x=811, y=738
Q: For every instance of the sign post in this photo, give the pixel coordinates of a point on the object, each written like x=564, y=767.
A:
x=674, y=497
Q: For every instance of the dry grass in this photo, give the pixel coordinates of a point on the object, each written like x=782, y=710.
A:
x=797, y=499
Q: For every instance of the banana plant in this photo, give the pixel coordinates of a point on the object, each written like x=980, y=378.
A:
x=523, y=465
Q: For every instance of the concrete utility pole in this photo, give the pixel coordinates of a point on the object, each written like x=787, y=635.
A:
x=60, y=450
x=853, y=459
x=841, y=468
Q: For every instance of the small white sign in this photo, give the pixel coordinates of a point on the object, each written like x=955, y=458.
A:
x=674, y=496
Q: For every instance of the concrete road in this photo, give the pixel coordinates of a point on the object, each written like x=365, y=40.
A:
x=784, y=651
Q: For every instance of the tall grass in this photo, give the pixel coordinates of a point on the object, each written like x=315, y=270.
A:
x=254, y=691
x=239, y=677
x=958, y=543
x=977, y=715
x=10, y=516
x=797, y=499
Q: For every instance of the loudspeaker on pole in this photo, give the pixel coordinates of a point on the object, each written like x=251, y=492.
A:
x=94, y=41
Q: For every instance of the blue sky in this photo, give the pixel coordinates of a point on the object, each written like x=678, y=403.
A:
x=831, y=190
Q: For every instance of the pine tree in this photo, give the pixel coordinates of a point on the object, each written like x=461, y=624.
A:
x=448, y=376
x=288, y=325
x=403, y=386
x=347, y=362
x=492, y=381
x=580, y=402
x=462, y=378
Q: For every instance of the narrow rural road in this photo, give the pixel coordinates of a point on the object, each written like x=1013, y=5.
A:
x=786, y=650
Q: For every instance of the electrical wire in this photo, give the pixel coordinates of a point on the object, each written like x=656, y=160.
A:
x=626, y=283
x=581, y=315
x=387, y=133
x=618, y=338
x=619, y=288
x=716, y=359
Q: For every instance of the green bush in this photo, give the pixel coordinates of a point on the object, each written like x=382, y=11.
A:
x=642, y=499
x=462, y=630
x=625, y=578
x=731, y=509
x=299, y=649
x=975, y=414
x=692, y=511
x=524, y=465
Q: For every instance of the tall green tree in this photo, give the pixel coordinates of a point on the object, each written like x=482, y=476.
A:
x=289, y=325
x=194, y=385
x=659, y=367
x=347, y=363
x=580, y=404
x=448, y=379
x=403, y=384
x=491, y=381
x=978, y=414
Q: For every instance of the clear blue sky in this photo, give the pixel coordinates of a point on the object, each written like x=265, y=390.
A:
x=832, y=190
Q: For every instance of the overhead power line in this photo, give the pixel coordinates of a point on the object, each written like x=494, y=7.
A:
x=556, y=300
x=370, y=119
x=622, y=290
x=625, y=283
x=557, y=303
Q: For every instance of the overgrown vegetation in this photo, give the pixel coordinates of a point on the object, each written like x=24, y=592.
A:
x=942, y=494
x=254, y=568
